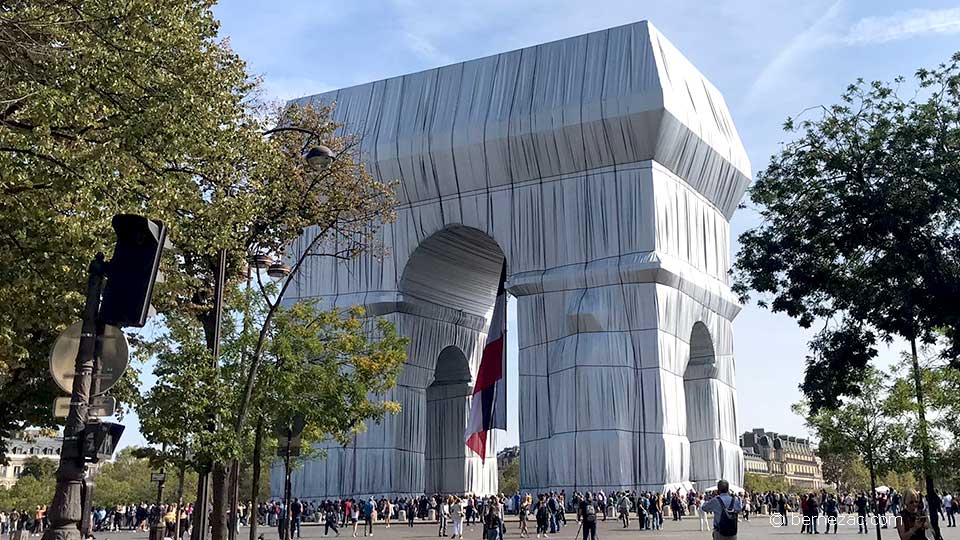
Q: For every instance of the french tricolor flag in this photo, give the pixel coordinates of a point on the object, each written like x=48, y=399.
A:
x=489, y=407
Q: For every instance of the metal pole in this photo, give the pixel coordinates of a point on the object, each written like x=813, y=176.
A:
x=201, y=522
x=66, y=511
x=288, y=525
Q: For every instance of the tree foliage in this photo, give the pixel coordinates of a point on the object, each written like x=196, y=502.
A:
x=331, y=367
x=124, y=480
x=860, y=226
x=140, y=107
x=38, y=468
x=843, y=468
x=762, y=483
x=105, y=108
x=941, y=386
x=868, y=425
x=509, y=478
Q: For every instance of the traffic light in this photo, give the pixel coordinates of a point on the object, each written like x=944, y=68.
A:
x=132, y=271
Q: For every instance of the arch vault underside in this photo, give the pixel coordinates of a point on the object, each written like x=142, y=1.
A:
x=604, y=169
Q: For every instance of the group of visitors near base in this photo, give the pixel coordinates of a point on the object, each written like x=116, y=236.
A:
x=887, y=511
x=544, y=514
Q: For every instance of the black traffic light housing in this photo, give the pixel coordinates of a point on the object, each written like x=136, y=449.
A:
x=132, y=270
x=99, y=439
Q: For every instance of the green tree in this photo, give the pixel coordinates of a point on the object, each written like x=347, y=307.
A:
x=105, y=108
x=139, y=106
x=126, y=480
x=27, y=493
x=843, y=468
x=941, y=384
x=761, y=483
x=38, y=468
x=866, y=425
x=509, y=478
x=860, y=229
x=331, y=367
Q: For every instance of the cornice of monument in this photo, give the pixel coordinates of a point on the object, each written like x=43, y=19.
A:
x=608, y=98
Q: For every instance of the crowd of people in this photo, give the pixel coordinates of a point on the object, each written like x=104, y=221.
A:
x=544, y=514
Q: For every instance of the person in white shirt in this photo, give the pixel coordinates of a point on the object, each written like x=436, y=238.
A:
x=456, y=516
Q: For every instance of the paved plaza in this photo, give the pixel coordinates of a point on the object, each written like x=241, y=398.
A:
x=757, y=528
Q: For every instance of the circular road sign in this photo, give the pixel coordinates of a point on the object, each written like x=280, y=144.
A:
x=113, y=361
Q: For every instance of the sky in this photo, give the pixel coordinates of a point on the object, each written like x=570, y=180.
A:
x=770, y=58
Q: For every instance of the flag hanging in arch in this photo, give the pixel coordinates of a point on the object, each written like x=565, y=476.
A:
x=489, y=407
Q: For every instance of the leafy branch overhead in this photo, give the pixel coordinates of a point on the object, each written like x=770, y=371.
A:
x=139, y=107
x=860, y=226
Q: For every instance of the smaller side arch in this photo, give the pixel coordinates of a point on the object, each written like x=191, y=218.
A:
x=446, y=416
x=702, y=403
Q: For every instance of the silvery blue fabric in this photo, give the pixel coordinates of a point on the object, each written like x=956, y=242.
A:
x=605, y=169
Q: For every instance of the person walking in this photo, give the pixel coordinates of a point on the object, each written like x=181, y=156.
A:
x=814, y=506
x=493, y=520
x=832, y=511
x=913, y=523
x=725, y=508
x=523, y=513
x=700, y=513
x=543, y=515
x=456, y=516
x=369, y=508
x=623, y=507
x=411, y=512
x=862, y=504
x=587, y=516
x=443, y=514
x=953, y=510
x=330, y=519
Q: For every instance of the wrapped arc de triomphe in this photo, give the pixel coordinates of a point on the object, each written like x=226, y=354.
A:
x=604, y=168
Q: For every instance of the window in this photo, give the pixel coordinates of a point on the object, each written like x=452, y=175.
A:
x=16, y=472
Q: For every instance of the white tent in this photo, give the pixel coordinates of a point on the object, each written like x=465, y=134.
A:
x=883, y=489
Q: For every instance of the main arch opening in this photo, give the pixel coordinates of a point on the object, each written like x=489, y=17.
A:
x=448, y=288
x=703, y=417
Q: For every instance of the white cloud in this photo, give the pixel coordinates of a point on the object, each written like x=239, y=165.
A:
x=810, y=39
x=422, y=46
x=903, y=25
x=823, y=33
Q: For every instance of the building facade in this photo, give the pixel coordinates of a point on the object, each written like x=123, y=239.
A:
x=507, y=456
x=603, y=171
x=32, y=443
x=775, y=454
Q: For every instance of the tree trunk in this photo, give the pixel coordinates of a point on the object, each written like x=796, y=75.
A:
x=932, y=498
x=198, y=522
x=180, y=474
x=218, y=525
x=233, y=485
x=873, y=488
x=255, y=490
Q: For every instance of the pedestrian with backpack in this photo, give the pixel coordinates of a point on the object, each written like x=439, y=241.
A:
x=587, y=516
x=726, y=509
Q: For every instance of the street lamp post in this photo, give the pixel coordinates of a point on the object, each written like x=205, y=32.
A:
x=66, y=512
